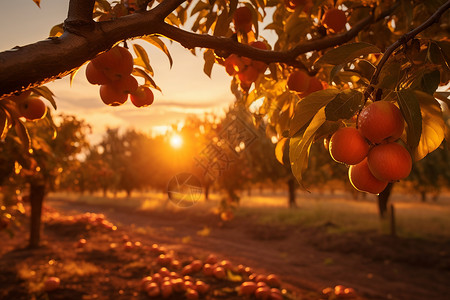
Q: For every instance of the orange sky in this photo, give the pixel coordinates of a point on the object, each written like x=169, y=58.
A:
x=186, y=89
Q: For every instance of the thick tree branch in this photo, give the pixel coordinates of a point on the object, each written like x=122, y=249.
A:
x=44, y=61
x=403, y=40
x=228, y=45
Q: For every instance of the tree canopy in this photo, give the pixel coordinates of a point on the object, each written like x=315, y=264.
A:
x=346, y=53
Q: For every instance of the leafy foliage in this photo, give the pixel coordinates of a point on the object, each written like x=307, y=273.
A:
x=367, y=62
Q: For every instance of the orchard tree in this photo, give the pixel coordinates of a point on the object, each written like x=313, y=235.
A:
x=371, y=65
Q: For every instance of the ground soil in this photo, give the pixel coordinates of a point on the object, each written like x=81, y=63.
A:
x=306, y=259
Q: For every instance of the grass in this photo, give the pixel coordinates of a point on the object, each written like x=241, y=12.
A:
x=414, y=219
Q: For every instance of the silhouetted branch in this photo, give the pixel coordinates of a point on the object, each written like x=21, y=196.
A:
x=47, y=60
x=401, y=41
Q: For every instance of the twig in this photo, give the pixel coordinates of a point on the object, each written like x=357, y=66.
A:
x=401, y=41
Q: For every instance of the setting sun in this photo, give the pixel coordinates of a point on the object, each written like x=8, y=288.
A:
x=176, y=141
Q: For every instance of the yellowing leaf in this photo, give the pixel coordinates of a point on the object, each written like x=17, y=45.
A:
x=142, y=59
x=222, y=24
x=72, y=75
x=206, y=231
x=172, y=19
x=279, y=150
x=3, y=124
x=210, y=59
x=155, y=41
x=45, y=92
x=57, y=30
x=23, y=135
x=233, y=277
x=433, y=126
x=38, y=3
x=299, y=146
x=186, y=239
x=149, y=82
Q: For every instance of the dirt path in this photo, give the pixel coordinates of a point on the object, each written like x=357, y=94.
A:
x=288, y=252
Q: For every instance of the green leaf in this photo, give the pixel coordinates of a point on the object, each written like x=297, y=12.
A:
x=299, y=146
x=346, y=53
x=308, y=107
x=430, y=82
x=433, y=126
x=365, y=69
x=345, y=105
x=148, y=80
x=336, y=69
x=389, y=75
x=209, y=62
x=410, y=108
x=45, y=92
x=38, y=3
x=434, y=54
x=142, y=59
x=155, y=41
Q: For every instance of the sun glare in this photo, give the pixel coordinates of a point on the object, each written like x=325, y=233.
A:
x=176, y=141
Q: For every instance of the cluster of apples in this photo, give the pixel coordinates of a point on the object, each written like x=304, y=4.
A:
x=88, y=218
x=112, y=71
x=374, y=157
x=29, y=106
x=299, y=81
x=262, y=287
x=246, y=69
x=128, y=244
x=339, y=292
x=165, y=283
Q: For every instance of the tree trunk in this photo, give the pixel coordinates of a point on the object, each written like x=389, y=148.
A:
x=383, y=199
x=207, y=187
x=129, y=191
x=423, y=196
x=291, y=187
x=37, y=193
